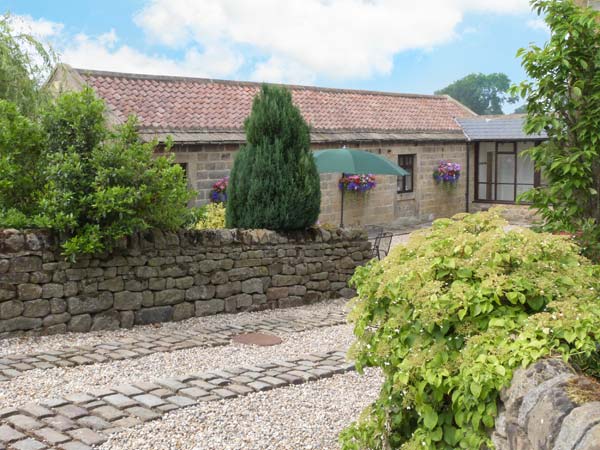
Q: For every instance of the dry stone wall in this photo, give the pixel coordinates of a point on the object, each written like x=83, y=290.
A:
x=159, y=277
x=549, y=407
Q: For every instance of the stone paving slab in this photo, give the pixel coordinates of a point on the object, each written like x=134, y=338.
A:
x=157, y=341
x=80, y=421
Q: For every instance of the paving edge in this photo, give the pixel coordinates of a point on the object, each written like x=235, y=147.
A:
x=157, y=341
x=81, y=420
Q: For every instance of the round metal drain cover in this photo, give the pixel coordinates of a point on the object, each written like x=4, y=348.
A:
x=261, y=339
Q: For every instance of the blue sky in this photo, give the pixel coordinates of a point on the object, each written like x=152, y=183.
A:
x=388, y=45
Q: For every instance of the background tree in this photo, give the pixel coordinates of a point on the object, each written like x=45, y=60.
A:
x=274, y=182
x=484, y=94
x=25, y=63
x=563, y=99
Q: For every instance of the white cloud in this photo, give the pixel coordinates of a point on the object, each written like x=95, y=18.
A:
x=103, y=53
x=293, y=41
x=538, y=24
x=335, y=38
x=39, y=28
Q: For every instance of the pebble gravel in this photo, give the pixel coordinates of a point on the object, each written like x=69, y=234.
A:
x=42, y=384
x=308, y=416
x=31, y=344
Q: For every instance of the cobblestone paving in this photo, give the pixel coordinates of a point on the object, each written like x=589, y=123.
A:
x=81, y=420
x=156, y=341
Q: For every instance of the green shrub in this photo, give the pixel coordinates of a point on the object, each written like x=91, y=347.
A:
x=21, y=145
x=452, y=314
x=212, y=217
x=274, y=182
x=104, y=187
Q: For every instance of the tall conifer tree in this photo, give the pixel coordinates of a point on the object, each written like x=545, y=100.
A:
x=274, y=182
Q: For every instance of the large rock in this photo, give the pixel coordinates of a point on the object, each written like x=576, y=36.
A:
x=82, y=305
x=107, y=320
x=29, y=291
x=126, y=301
x=168, y=297
x=209, y=307
x=154, y=315
x=36, y=308
x=10, y=309
x=253, y=286
x=576, y=424
x=80, y=323
x=19, y=323
x=183, y=311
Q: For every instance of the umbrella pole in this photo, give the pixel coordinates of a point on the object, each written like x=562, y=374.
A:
x=342, y=212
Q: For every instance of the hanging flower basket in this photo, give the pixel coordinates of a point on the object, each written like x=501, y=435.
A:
x=218, y=194
x=447, y=173
x=357, y=183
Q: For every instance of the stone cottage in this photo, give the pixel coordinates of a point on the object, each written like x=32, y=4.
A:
x=205, y=120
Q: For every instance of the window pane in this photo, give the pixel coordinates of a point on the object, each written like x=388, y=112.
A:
x=525, y=166
x=486, y=191
x=405, y=182
x=505, y=192
x=521, y=188
x=506, y=168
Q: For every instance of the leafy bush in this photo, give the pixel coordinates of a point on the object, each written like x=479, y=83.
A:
x=212, y=216
x=452, y=314
x=92, y=185
x=21, y=145
x=274, y=182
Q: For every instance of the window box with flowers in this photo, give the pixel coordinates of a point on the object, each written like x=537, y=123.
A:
x=357, y=183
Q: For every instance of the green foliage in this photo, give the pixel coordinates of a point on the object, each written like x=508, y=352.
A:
x=212, y=217
x=74, y=176
x=21, y=144
x=24, y=65
x=449, y=316
x=483, y=94
x=274, y=182
x=104, y=186
x=563, y=99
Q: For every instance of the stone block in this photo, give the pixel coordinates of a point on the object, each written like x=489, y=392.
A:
x=10, y=309
x=154, y=315
x=127, y=301
x=286, y=280
x=144, y=272
x=275, y=293
x=205, y=292
x=113, y=285
x=29, y=291
x=209, y=307
x=7, y=294
x=80, y=323
x=183, y=311
x=36, y=308
x=297, y=290
x=253, y=286
x=107, y=320
x=127, y=319
x=147, y=299
x=135, y=285
x=220, y=277
x=156, y=284
x=52, y=290
x=184, y=282
x=20, y=323
x=229, y=289
x=58, y=305
x=55, y=319
x=82, y=305
x=169, y=297
x=26, y=264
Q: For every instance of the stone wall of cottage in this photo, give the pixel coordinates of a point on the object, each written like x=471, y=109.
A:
x=158, y=277
x=549, y=406
x=206, y=164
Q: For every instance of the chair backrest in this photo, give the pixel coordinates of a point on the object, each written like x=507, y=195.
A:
x=375, y=247
x=385, y=242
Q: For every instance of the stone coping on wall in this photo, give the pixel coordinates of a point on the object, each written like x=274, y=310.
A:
x=169, y=276
x=549, y=406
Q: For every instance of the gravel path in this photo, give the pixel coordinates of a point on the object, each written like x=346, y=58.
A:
x=41, y=384
x=308, y=416
x=30, y=344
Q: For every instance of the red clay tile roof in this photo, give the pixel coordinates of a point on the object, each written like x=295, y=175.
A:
x=176, y=103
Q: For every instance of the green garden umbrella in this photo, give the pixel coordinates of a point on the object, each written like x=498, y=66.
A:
x=352, y=161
